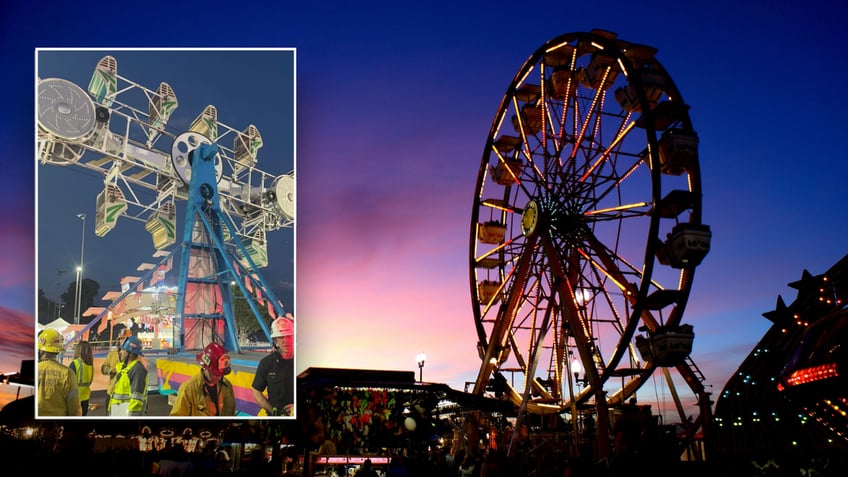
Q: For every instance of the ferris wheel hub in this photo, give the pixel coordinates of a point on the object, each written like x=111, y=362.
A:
x=569, y=222
x=530, y=218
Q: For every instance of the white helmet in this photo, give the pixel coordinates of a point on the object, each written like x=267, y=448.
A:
x=283, y=326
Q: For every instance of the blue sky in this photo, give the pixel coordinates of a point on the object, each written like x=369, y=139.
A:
x=394, y=103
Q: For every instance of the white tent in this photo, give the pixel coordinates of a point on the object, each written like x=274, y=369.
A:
x=58, y=324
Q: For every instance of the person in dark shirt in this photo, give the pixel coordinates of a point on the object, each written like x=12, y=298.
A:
x=366, y=470
x=276, y=371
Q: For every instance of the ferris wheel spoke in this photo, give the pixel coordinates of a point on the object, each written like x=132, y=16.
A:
x=630, y=294
x=616, y=183
x=529, y=112
x=607, y=153
x=562, y=81
x=598, y=95
x=604, y=264
x=596, y=282
x=544, y=117
x=607, y=267
x=587, y=287
x=619, y=212
x=506, y=314
x=510, y=170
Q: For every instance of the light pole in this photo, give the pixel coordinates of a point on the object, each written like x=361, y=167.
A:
x=421, y=358
x=77, y=292
x=78, y=297
x=577, y=370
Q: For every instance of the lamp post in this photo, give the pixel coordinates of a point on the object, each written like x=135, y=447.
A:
x=421, y=357
x=78, y=297
x=77, y=293
x=577, y=369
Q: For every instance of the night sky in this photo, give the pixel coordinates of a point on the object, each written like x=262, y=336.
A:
x=394, y=103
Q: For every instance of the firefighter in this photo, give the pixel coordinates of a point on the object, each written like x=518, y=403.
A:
x=208, y=393
x=129, y=397
x=57, y=384
x=276, y=371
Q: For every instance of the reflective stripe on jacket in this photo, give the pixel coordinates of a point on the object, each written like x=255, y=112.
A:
x=194, y=400
x=57, y=390
x=131, y=386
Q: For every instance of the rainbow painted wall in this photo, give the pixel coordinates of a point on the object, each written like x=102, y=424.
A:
x=173, y=370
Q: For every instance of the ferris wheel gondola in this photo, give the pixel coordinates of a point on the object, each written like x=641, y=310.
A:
x=585, y=229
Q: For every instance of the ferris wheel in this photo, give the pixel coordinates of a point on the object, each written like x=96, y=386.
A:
x=586, y=230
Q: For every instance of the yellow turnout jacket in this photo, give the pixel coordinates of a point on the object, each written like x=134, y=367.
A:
x=57, y=390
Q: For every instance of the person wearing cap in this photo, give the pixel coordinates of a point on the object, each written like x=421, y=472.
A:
x=129, y=397
x=275, y=372
x=57, y=384
x=208, y=393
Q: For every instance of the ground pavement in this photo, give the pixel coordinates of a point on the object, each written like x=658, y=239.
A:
x=157, y=404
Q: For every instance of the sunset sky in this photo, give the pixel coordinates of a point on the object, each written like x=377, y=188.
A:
x=394, y=103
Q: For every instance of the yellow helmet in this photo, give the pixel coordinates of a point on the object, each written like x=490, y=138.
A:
x=51, y=341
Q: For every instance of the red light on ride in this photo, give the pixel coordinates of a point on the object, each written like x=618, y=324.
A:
x=812, y=374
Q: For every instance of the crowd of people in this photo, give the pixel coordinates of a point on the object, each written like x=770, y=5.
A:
x=66, y=390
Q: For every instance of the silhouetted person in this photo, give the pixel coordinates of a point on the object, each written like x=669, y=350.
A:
x=366, y=470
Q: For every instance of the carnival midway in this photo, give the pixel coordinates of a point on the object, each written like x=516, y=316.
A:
x=585, y=234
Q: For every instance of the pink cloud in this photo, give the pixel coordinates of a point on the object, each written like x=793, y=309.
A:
x=18, y=338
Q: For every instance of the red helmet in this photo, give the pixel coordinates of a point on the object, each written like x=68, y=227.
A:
x=214, y=358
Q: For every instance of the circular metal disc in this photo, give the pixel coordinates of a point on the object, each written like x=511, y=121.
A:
x=180, y=150
x=64, y=109
x=284, y=190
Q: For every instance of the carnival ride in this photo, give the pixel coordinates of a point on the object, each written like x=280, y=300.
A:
x=585, y=235
x=149, y=171
x=788, y=397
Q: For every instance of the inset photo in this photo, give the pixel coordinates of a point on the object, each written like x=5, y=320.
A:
x=165, y=233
